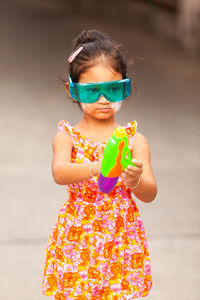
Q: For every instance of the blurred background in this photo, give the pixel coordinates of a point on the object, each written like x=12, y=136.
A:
x=162, y=37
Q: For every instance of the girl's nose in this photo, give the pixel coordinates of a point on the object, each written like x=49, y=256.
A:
x=103, y=100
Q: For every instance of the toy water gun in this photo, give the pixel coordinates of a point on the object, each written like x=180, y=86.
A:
x=116, y=158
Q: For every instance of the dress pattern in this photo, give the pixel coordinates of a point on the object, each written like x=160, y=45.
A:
x=98, y=248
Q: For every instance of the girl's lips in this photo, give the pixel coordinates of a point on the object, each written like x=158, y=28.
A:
x=104, y=109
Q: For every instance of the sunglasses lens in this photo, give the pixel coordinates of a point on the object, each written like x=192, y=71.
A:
x=114, y=92
x=90, y=94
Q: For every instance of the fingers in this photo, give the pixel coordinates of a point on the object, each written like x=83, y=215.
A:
x=137, y=169
x=137, y=163
x=132, y=171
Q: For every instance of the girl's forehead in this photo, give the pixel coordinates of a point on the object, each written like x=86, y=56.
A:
x=99, y=73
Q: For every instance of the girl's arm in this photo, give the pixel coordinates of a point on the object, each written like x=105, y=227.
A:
x=65, y=172
x=142, y=173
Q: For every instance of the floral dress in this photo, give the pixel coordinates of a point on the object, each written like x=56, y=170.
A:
x=98, y=247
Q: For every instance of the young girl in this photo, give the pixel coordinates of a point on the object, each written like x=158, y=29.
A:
x=98, y=247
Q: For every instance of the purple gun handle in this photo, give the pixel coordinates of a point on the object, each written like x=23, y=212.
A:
x=107, y=184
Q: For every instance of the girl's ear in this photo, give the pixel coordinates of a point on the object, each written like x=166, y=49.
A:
x=67, y=89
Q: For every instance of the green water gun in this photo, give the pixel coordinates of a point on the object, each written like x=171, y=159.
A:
x=116, y=158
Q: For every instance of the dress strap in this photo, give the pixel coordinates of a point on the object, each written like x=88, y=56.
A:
x=65, y=125
x=131, y=129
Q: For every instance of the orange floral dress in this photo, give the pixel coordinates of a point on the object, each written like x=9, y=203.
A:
x=98, y=248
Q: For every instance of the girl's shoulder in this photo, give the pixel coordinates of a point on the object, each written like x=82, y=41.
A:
x=141, y=144
x=64, y=134
x=64, y=125
x=75, y=134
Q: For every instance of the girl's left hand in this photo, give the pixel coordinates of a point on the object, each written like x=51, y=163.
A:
x=132, y=174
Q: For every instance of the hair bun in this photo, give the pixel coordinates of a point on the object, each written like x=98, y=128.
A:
x=89, y=36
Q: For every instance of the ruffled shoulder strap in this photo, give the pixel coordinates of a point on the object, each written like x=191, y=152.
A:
x=131, y=129
x=65, y=125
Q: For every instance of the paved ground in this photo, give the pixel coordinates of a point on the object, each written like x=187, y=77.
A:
x=34, y=48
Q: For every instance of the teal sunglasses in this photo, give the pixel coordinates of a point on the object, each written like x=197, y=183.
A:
x=113, y=91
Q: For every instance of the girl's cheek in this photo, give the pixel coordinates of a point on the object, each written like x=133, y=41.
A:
x=85, y=107
x=116, y=106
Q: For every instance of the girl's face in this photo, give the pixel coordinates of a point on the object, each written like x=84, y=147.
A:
x=102, y=108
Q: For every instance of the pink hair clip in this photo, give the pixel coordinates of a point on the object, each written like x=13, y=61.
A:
x=71, y=58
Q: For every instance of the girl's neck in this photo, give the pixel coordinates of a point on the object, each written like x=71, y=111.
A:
x=97, y=130
x=99, y=125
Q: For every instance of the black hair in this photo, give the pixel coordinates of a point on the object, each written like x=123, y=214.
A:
x=96, y=47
